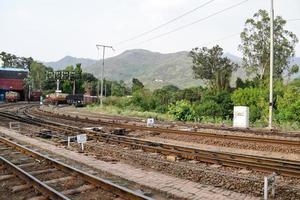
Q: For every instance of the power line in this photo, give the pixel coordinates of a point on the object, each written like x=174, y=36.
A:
x=166, y=23
x=233, y=35
x=192, y=23
x=221, y=39
x=296, y=19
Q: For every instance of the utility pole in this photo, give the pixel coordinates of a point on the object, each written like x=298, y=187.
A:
x=271, y=65
x=102, y=71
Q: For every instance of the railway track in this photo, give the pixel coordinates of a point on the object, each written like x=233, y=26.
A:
x=174, y=131
x=256, y=131
x=258, y=163
x=53, y=179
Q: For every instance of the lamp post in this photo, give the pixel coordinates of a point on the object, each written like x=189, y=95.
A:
x=102, y=71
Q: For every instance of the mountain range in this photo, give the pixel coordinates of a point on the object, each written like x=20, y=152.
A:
x=152, y=68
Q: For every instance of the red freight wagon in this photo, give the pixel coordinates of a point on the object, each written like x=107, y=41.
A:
x=35, y=96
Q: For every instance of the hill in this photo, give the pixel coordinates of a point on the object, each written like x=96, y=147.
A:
x=152, y=68
x=69, y=60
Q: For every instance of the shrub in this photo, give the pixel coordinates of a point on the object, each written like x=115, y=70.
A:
x=208, y=109
x=288, y=105
x=144, y=99
x=255, y=98
x=120, y=102
x=215, y=104
x=182, y=110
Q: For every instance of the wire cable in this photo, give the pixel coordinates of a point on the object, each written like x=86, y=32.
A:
x=290, y=20
x=221, y=39
x=166, y=23
x=192, y=23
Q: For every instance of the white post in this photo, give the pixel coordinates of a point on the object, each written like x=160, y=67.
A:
x=265, y=188
x=271, y=65
x=68, y=141
x=82, y=146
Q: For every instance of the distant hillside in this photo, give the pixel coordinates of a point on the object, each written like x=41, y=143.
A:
x=153, y=69
x=69, y=60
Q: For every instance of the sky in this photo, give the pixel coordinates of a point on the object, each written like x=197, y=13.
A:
x=48, y=30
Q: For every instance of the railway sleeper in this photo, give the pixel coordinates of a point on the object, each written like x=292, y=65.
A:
x=19, y=188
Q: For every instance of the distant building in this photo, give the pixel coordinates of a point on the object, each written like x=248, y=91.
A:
x=12, y=79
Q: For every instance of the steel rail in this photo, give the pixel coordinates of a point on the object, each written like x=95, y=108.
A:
x=102, y=183
x=259, y=163
x=181, y=132
x=31, y=180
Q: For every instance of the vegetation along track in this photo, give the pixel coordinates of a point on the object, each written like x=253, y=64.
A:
x=173, y=131
x=259, y=163
x=32, y=166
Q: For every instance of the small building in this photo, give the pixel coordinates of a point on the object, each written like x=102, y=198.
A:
x=12, y=79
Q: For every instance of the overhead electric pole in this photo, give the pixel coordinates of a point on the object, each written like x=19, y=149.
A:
x=102, y=71
x=271, y=64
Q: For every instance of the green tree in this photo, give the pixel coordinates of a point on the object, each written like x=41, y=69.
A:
x=67, y=87
x=255, y=45
x=119, y=89
x=136, y=85
x=182, y=110
x=38, y=75
x=49, y=83
x=212, y=67
x=78, y=79
x=144, y=99
x=214, y=104
x=288, y=104
x=11, y=60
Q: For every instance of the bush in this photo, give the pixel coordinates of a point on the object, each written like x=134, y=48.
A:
x=120, y=102
x=144, y=99
x=182, y=110
x=215, y=104
x=207, y=109
x=288, y=105
x=255, y=98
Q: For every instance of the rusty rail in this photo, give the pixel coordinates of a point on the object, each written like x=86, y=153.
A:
x=259, y=163
x=181, y=132
x=46, y=190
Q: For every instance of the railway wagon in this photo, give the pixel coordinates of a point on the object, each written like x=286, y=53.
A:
x=35, y=96
x=80, y=99
x=12, y=96
x=56, y=98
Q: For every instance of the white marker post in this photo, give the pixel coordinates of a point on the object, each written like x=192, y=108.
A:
x=269, y=184
x=81, y=139
x=150, y=122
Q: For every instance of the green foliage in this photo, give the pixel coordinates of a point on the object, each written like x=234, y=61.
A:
x=288, y=105
x=182, y=110
x=211, y=66
x=119, y=89
x=38, y=75
x=256, y=45
x=255, y=98
x=214, y=104
x=208, y=109
x=11, y=60
x=247, y=83
x=191, y=94
x=79, y=89
x=136, y=85
x=67, y=87
x=120, y=102
x=144, y=99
